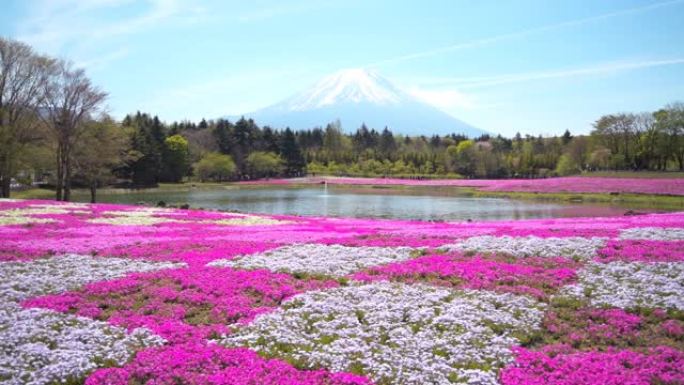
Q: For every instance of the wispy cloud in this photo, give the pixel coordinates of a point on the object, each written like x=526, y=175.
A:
x=78, y=29
x=445, y=99
x=281, y=9
x=221, y=94
x=519, y=34
x=103, y=60
x=599, y=69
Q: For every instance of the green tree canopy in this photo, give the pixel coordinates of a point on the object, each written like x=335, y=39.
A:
x=264, y=164
x=175, y=158
x=215, y=166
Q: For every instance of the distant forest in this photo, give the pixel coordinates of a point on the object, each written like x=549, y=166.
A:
x=223, y=150
x=53, y=130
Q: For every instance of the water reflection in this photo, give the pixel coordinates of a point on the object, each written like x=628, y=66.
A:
x=364, y=202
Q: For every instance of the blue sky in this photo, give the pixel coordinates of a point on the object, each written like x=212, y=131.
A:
x=534, y=66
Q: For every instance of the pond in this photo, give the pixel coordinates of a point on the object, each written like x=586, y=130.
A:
x=340, y=201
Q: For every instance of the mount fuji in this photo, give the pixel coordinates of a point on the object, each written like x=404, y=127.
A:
x=358, y=96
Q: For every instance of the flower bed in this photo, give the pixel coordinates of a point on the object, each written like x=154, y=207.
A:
x=181, y=304
x=642, y=250
x=332, y=260
x=212, y=364
x=537, y=277
x=368, y=329
x=43, y=347
x=631, y=285
x=532, y=246
x=660, y=365
x=119, y=295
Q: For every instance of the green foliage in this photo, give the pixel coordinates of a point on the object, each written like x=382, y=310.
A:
x=262, y=164
x=293, y=160
x=101, y=149
x=145, y=149
x=620, y=141
x=175, y=158
x=566, y=166
x=215, y=167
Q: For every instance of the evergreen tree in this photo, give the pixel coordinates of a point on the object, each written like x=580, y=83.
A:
x=566, y=138
x=241, y=140
x=145, y=166
x=144, y=170
x=223, y=132
x=291, y=154
x=387, y=143
x=269, y=139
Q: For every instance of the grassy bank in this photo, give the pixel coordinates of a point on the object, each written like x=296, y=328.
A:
x=629, y=201
x=635, y=174
x=41, y=193
x=633, y=201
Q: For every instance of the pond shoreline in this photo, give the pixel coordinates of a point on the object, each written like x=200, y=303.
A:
x=255, y=197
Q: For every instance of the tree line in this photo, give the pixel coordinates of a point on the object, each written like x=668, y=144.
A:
x=53, y=127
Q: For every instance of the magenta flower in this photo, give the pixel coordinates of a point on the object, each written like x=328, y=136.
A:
x=537, y=277
x=562, y=366
x=199, y=364
x=642, y=251
x=182, y=304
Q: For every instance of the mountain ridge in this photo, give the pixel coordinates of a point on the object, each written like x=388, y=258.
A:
x=360, y=96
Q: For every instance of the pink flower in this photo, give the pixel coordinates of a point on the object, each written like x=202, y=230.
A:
x=555, y=366
x=182, y=304
x=199, y=364
x=534, y=276
x=642, y=251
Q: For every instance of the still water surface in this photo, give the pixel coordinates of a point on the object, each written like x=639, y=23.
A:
x=422, y=204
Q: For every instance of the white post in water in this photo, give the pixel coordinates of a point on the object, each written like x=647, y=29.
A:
x=325, y=187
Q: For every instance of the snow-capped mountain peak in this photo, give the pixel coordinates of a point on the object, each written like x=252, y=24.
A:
x=356, y=97
x=354, y=85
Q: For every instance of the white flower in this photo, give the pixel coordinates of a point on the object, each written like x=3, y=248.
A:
x=131, y=220
x=27, y=215
x=653, y=233
x=40, y=346
x=631, y=284
x=37, y=210
x=247, y=220
x=138, y=217
x=396, y=333
x=43, y=347
x=139, y=212
x=333, y=260
x=64, y=205
x=21, y=280
x=20, y=220
x=570, y=247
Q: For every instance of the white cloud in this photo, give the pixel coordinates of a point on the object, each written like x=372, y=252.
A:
x=280, y=9
x=101, y=61
x=520, y=34
x=77, y=28
x=221, y=94
x=445, y=99
x=598, y=69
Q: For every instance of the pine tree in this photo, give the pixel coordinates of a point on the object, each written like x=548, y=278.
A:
x=566, y=138
x=387, y=143
x=291, y=154
x=223, y=132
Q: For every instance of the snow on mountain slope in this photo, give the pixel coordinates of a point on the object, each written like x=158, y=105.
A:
x=357, y=96
x=354, y=85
